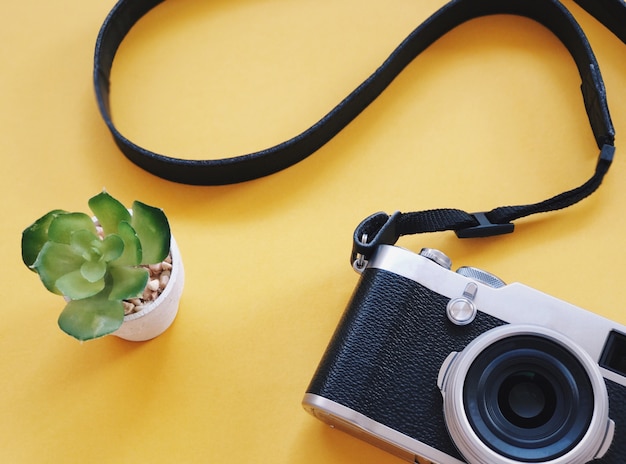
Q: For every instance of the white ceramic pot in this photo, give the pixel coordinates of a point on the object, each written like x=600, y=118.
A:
x=157, y=316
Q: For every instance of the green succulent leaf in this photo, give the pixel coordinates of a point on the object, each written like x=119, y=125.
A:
x=54, y=261
x=109, y=211
x=35, y=236
x=153, y=230
x=86, y=243
x=112, y=247
x=91, y=317
x=76, y=287
x=132, y=246
x=96, y=273
x=93, y=271
x=128, y=282
x=63, y=226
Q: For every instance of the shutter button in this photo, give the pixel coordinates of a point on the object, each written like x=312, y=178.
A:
x=462, y=311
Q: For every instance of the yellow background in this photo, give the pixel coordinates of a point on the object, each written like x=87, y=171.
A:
x=490, y=115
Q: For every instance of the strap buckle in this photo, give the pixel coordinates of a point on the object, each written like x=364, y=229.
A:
x=484, y=228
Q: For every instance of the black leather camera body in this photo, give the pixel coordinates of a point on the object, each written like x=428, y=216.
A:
x=459, y=367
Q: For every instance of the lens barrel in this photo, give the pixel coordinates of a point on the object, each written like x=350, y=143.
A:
x=523, y=393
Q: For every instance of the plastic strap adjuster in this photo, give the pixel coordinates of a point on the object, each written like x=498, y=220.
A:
x=484, y=228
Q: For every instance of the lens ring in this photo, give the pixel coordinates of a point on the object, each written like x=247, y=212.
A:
x=500, y=406
x=482, y=427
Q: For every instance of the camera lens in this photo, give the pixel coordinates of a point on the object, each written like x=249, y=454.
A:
x=528, y=398
x=525, y=394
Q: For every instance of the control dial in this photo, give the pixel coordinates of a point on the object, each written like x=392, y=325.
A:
x=481, y=276
x=437, y=256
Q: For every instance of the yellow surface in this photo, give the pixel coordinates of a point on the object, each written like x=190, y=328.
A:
x=490, y=115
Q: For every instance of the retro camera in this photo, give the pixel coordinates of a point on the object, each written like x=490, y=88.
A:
x=457, y=367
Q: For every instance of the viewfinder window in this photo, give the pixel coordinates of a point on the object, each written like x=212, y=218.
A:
x=614, y=353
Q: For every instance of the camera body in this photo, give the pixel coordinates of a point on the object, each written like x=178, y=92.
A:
x=457, y=367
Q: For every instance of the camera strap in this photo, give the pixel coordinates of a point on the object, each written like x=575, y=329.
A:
x=381, y=228
x=250, y=166
x=611, y=13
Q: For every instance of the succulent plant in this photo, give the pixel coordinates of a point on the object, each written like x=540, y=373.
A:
x=96, y=262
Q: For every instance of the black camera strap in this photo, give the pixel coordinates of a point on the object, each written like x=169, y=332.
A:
x=381, y=228
x=611, y=13
x=250, y=166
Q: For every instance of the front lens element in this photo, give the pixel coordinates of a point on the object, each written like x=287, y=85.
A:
x=528, y=398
